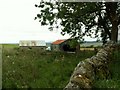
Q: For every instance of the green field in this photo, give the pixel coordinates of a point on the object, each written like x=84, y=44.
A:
x=29, y=68
x=40, y=69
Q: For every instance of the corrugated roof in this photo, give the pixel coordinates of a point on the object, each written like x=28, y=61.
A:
x=58, y=41
x=32, y=43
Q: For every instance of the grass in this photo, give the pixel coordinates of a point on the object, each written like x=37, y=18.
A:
x=9, y=46
x=114, y=80
x=29, y=68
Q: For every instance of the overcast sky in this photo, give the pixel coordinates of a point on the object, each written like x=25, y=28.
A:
x=17, y=23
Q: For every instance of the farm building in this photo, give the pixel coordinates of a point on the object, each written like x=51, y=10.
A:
x=57, y=45
x=62, y=45
x=33, y=44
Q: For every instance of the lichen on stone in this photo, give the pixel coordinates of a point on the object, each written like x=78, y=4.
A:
x=86, y=70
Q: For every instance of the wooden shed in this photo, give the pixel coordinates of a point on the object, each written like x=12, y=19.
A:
x=57, y=45
x=62, y=45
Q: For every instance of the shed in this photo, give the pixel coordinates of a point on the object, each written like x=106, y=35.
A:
x=39, y=44
x=62, y=45
x=57, y=45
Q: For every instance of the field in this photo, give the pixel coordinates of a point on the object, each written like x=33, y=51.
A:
x=29, y=68
x=38, y=69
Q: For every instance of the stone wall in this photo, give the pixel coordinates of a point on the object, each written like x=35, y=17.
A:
x=86, y=70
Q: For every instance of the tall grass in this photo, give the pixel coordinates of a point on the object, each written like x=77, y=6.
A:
x=114, y=80
x=30, y=68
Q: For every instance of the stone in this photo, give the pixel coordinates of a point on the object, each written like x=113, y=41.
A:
x=86, y=70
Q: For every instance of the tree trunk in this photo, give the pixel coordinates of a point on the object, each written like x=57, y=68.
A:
x=111, y=8
x=77, y=48
x=114, y=32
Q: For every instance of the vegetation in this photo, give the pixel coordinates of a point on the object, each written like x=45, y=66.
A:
x=28, y=68
x=72, y=17
x=114, y=80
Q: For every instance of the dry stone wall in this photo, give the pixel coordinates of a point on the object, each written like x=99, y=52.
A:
x=85, y=72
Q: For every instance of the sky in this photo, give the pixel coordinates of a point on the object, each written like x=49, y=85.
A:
x=17, y=23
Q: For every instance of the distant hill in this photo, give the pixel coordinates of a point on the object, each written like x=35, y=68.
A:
x=91, y=43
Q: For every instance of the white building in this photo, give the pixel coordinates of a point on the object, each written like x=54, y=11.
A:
x=33, y=43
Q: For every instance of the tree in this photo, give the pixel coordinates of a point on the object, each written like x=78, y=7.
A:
x=72, y=17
